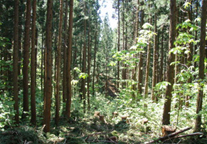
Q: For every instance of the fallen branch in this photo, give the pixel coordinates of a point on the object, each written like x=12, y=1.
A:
x=192, y=134
x=168, y=136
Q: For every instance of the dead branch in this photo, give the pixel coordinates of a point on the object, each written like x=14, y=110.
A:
x=169, y=136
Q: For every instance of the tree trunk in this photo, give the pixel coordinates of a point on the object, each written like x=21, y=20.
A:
x=48, y=68
x=15, y=60
x=147, y=68
x=89, y=63
x=26, y=60
x=201, y=65
x=83, y=90
x=70, y=33
x=170, y=68
x=94, y=60
x=140, y=70
x=33, y=67
x=154, y=73
x=65, y=54
x=57, y=88
x=118, y=66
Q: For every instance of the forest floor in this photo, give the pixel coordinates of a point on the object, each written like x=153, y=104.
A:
x=90, y=129
x=84, y=131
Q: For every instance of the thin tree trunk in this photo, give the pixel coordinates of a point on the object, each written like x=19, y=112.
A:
x=15, y=60
x=65, y=54
x=33, y=67
x=170, y=68
x=201, y=65
x=154, y=73
x=26, y=60
x=94, y=60
x=140, y=70
x=89, y=63
x=147, y=68
x=83, y=90
x=118, y=66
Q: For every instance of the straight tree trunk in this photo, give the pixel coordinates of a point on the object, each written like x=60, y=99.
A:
x=94, y=60
x=89, y=63
x=140, y=70
x=33, y=67
x=15, y=60
x=154, y=73
x=70, y=34
x=57, y=88
x=65, y=54
x=118, y=66
x=48, y=68
x=83, y=90
x=147, y=68
x=134, y=72
x=26, y=60
x=162, y=58
x=170, y=68
x=201, y=65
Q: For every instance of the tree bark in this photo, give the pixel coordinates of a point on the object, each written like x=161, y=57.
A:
x=70, y=34
x=15, y=60
x=33, y=67
x=65, y=54
x=48, y=68
x=57, y=88
x=118, y=66
x=170, y=68
x=83, y=90
x=26, y=60
x=154, y=73
x=201, y=66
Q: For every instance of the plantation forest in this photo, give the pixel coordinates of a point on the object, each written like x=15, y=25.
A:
x=72, y=73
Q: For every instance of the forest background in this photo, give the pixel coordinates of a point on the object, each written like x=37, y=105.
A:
x=61, y=61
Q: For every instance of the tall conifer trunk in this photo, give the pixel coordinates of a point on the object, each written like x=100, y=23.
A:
x=201, y=65
x=48, y=68
x=26, y=59
x=154, y=78
x=33, y=66
x=58, y=66
x=70, y=34
x=170, y=68
x=15, y=60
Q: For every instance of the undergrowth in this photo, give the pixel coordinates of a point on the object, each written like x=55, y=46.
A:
x=143, y=123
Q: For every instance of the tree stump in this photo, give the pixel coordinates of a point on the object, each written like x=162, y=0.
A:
x=166, y=130
x=97, y=114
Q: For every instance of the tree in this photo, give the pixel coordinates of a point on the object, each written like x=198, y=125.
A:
x=201, y=65
x=33, y=66
x=58, y=61
x=26, y=59
x=48, y=68
x=154, y=59
x=15, y=60
x=170, y=67
x=70, y=34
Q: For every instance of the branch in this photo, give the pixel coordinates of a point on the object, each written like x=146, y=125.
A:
x=168, y=136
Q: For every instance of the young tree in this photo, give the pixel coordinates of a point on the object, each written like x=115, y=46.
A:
x=170, y=68
x=48, y=68
x=201, y=65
